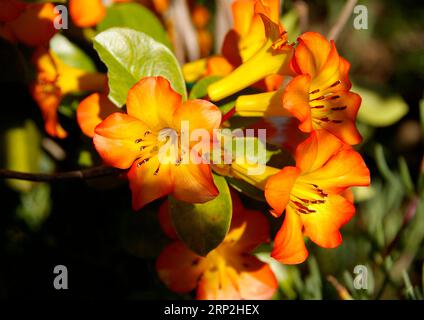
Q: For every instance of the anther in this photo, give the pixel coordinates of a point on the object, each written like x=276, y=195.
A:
x=339, y=108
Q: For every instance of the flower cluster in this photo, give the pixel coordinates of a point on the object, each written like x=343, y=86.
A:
x=300, y=91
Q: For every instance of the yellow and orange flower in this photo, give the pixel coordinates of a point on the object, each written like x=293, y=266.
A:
x=320, y=95
x=133, y=140
x=312, y=195
x=31, y=24
x=273, y=57
x=241, y=43
x=92, y=111
x=228, y=272
x=54, y=80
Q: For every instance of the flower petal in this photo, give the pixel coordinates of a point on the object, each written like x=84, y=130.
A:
x=92, y=111
x=322, y=226
x=193, y=183
x=278, y=189
x=153, y=101
x=147, y=183
x=248, y=229
x=218, y=285
x=296, y=100
x=289, y=246
x=179, y=268
x=256, y=280
x=344, y=126
x=315, y=151
x=343, y=170
x=86, y=13
x=115, y=139
x=312, y=52
x=199, y=114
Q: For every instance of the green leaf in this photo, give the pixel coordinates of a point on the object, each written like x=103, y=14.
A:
x=70, y=54
x=380, y=111
x=200, y=89
x=247, y=189
x=137, y=17
x=22, y=145
x=131, y=55
x=202, y=227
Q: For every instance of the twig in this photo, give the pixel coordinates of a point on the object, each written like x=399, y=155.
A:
x=87, y=174
x=342, y=20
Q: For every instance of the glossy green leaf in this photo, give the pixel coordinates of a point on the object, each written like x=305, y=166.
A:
x=380, y=111
x=70, y=54
x=131, y=55
x=137, y=17
x=202, y=227
x=200, y=89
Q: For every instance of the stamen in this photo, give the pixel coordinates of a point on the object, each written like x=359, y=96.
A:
x=142, y=162
x=333, y=97
x=337, y=121
x=157, y=171
x=335, y=84
x=315, y=91
x=137, y=141
x=339, y=108
x=318, y=107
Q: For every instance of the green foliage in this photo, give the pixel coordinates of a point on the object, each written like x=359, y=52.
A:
x=136, y=17
x=70, y=54
x=202, y=227
x=22, y=146
x=200, y=89
x=379, y=111
x=131, y=55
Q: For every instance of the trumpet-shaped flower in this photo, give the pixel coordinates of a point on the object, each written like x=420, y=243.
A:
x=320, y=95
x=228, y=272
x=272, y=58
x=134, y=140
x=241, y=43
x=311, y=195
x=54, y=80
x=31, y=24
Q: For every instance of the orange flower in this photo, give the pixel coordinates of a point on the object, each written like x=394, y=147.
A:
x=30, y=24
x=228, y=272
x=88, y=13
x=311, y=195
x=54, y=80
x=273, y=57
x=135, y=140
x=92, y=111
x=241, y=43
x=249, y=28
x=319, y=96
